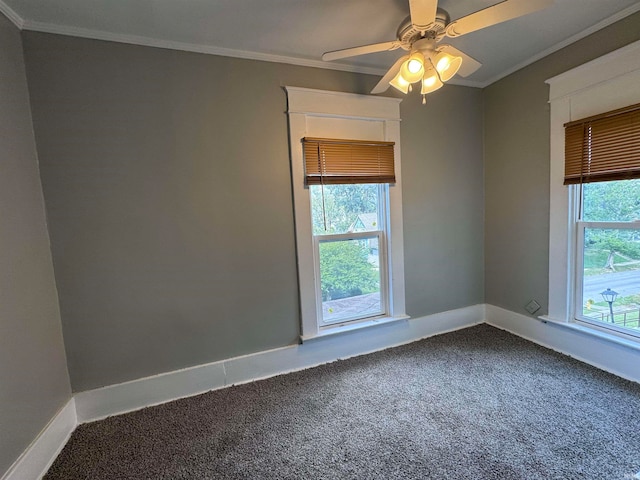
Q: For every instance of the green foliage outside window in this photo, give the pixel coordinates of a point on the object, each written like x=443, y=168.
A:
x=617, y=201
x=345, y=270
x=345, y=266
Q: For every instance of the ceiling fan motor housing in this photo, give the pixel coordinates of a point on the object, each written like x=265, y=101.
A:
x=408, y=34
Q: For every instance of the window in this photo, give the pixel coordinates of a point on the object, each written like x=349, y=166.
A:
x=607, y=83
x=349, y=238
x=608, y=256
x=348, y=216
x=599, y=151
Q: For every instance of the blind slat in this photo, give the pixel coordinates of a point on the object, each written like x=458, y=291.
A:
x=603, y=147
x=334, y=161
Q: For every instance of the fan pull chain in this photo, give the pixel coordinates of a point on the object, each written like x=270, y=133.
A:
x=410, y=88
x=424, y=99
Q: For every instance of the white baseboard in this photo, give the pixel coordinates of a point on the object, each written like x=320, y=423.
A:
x=134, y=395
x=95, y=404
x=38, y=457
x=606, y=354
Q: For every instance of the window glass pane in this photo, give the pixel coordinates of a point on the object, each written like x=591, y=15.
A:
x=350, y=279
x=611, y=201
x=344, y=208
x=611, y=281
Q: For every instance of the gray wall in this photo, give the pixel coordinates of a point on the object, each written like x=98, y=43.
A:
x=516, y=122
x=167, y=182
x=34, y=383
x=443, y=200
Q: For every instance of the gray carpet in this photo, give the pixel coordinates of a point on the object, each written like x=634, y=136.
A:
x=474, y=404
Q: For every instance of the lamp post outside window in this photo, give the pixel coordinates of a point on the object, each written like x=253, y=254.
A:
x=610, y=297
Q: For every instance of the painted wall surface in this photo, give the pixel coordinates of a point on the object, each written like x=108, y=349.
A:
x=443, y=200
x=516, y=149
x=167, y=182
x=34, y=383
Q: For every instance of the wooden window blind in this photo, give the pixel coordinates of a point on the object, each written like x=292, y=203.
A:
x=332, y=161
x=603, y=147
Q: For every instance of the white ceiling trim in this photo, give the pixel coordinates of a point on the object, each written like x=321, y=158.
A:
x=210, y=50
x=27, y=24
x=572, y=39
x=10, y=13
x=190, y=47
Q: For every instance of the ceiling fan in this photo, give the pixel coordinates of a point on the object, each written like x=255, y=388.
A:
x=428, y=61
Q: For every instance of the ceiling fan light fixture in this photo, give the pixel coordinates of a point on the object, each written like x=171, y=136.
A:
x=420, y=33
x=447, y=65
x=414, y=66
x=431, y=82
x=413, y=69
x=400, y=83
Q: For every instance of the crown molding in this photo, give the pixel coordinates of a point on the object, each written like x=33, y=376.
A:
x=11, y=14
x=565, y=43
x=210, y=50
x=26, y=24
x=461, y=82
x=192, y=47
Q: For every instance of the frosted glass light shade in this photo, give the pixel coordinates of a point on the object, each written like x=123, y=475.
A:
x=431, y=82
x=400, y=83
x=413, y=69
x=447, y=65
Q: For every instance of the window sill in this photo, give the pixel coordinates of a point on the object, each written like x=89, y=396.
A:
x=351, y=327
x=594, y=332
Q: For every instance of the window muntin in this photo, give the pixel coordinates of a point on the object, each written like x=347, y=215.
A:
x=608, y=256
x=349, y=238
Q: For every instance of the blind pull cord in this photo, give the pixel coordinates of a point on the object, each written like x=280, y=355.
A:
x=324, y=210
x=580, y=201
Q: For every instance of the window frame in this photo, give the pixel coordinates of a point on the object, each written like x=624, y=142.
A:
x=578, y=292
x=381, y=235
x=326, y=114
x=604, y=84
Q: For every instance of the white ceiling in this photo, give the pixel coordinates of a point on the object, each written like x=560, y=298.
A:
x=299, y=31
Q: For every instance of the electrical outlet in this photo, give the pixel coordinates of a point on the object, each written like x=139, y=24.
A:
x=532, y=307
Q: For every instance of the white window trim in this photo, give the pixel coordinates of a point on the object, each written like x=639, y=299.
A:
x=607, y=83
x=303, y=105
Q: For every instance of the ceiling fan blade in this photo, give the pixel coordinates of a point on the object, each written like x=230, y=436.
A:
x=383, y=84
x=501, y=12
x=352, y=52
x=423, y=13
x=469, y=64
